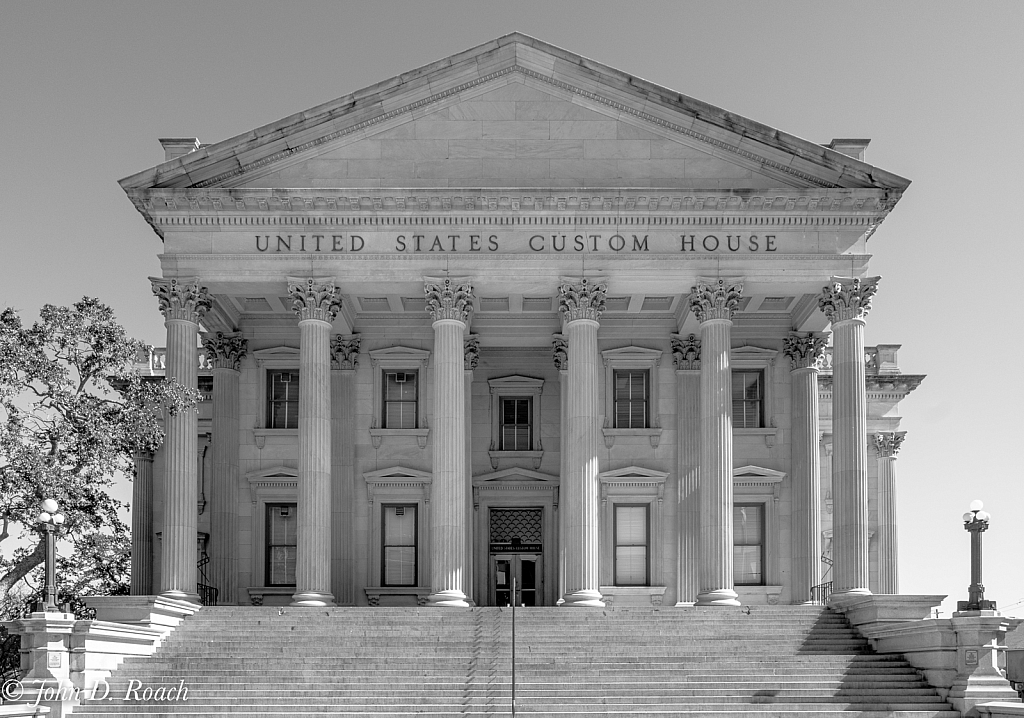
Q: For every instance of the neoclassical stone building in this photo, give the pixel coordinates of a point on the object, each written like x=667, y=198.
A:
x=517, y=314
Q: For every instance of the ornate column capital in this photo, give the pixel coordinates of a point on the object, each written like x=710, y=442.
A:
x=805, y=350
x=716, y=300
x=471, y=351
x=686, y=352
x=847, y=298
x=560, y=352
x=583, y=299
x=344, y=351
x=888, y=443
x=181, y=298
x=314, y=298
x=225, y=350
x=448, y=299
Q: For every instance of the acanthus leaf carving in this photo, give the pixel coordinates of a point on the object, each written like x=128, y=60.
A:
x=805, y=350
x=181, y=298
x=888, y=443
x=581, y=300
x=686, y=352
x=345, y=351
x=471, y=351
x=448, y=299
x=314, y=298
x=225, y=350
x=560, y=352
x=847, y=298
x=715, y=301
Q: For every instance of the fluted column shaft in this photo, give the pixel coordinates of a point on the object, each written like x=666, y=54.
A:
x=142, y=525
x=344, y=360
x=686, y=355
x=315, y=301
x=581, y=304
x=560, y=356
x=223, y=491
x=449, y=304
x=183, y=303
x=714, y=304
x=471, y=356
x=845, y=303
x=804, y=351
x=887, y=444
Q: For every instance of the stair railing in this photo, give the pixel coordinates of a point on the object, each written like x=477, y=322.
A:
x=513, y=647
x=821, y=593
x=207, y=593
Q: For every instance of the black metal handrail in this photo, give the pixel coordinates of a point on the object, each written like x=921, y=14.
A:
x=207, y=593
x=821, y=593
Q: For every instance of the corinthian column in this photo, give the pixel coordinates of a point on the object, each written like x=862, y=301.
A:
x=805, y=351
x=560, y=358
x=226, y=352
x=183, y=303
x=845, y=302
x=450, y=304
x=471, y=357
x=142, y=525
x=887, y=445
x=686, y=356
x=581, y=305
x=713, y=305
x=316, y=302
x=344, y=360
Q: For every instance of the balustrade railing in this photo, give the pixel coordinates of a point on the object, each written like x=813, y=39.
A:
x=821, y=593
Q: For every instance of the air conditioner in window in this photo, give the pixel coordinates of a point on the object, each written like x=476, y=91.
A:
x=286, y=511
x=399, y=511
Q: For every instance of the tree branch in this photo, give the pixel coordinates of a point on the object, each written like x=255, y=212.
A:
x=22, y=568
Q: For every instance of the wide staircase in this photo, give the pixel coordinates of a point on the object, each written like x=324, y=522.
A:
x=752, y=662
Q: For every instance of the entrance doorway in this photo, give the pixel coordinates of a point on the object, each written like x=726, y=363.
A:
x=526, y=570
x=516, y=552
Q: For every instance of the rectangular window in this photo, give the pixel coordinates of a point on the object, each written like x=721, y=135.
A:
x=631, y=545
x=748, y=399
x=748, y=544
x=631, y=390
x=283, y=403
x=516, y=429
x=399, y=545
x=281, y=530
x=399, y=400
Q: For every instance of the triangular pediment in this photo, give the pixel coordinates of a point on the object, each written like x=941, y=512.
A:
x=283, y=474
x=514, y=474
x=514, y=112
x=631, y=474
x=758, y=474
x=400, y=474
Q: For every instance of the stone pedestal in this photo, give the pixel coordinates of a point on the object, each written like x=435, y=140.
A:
x=581, y=303
x=225, y=351
x=142, y=525
x=713, y=304
x=344, y=360
x=183, y=303
x=846, y=302
x=449, y=303
x=887, y=445
x=316, y=302
x=686, y=355
x=805, y=351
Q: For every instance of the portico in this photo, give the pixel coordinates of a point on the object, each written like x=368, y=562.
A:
x=521, y=326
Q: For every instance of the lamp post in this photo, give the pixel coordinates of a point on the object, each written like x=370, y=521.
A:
x=976, y=521
x=50, y=519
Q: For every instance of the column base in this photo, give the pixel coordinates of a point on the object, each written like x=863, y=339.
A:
x=312, y=598
x=176, y=595
x=718, y=597
x=585, y=598
x=448, y=599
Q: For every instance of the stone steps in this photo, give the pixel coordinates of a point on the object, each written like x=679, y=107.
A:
x=776, y=662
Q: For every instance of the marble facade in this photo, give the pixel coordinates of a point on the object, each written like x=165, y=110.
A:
x=547, y=321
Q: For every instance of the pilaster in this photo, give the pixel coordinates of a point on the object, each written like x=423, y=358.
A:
x=471, y=357
x=686, y=357
x=142, y=525
x=887, y=446
x=226, y=352
x=805, y=351
x=183, y=302
x=713, y=303
x=316, y=302
x=449, y=303
x=560, y=358
x=581, y=303
x=846, y=302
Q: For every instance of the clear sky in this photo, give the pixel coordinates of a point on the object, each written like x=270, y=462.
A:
x=86, y=88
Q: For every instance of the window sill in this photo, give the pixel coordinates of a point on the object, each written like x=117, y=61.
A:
x=534, y=456
x=375, y=593
x=377, y=435
x=653, y=434
x=633, y=595
x=769, y=434
x=262, y=434
x=259, y=594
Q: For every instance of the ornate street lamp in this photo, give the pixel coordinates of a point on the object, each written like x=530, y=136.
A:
x=49, y=519
x=976, y=521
